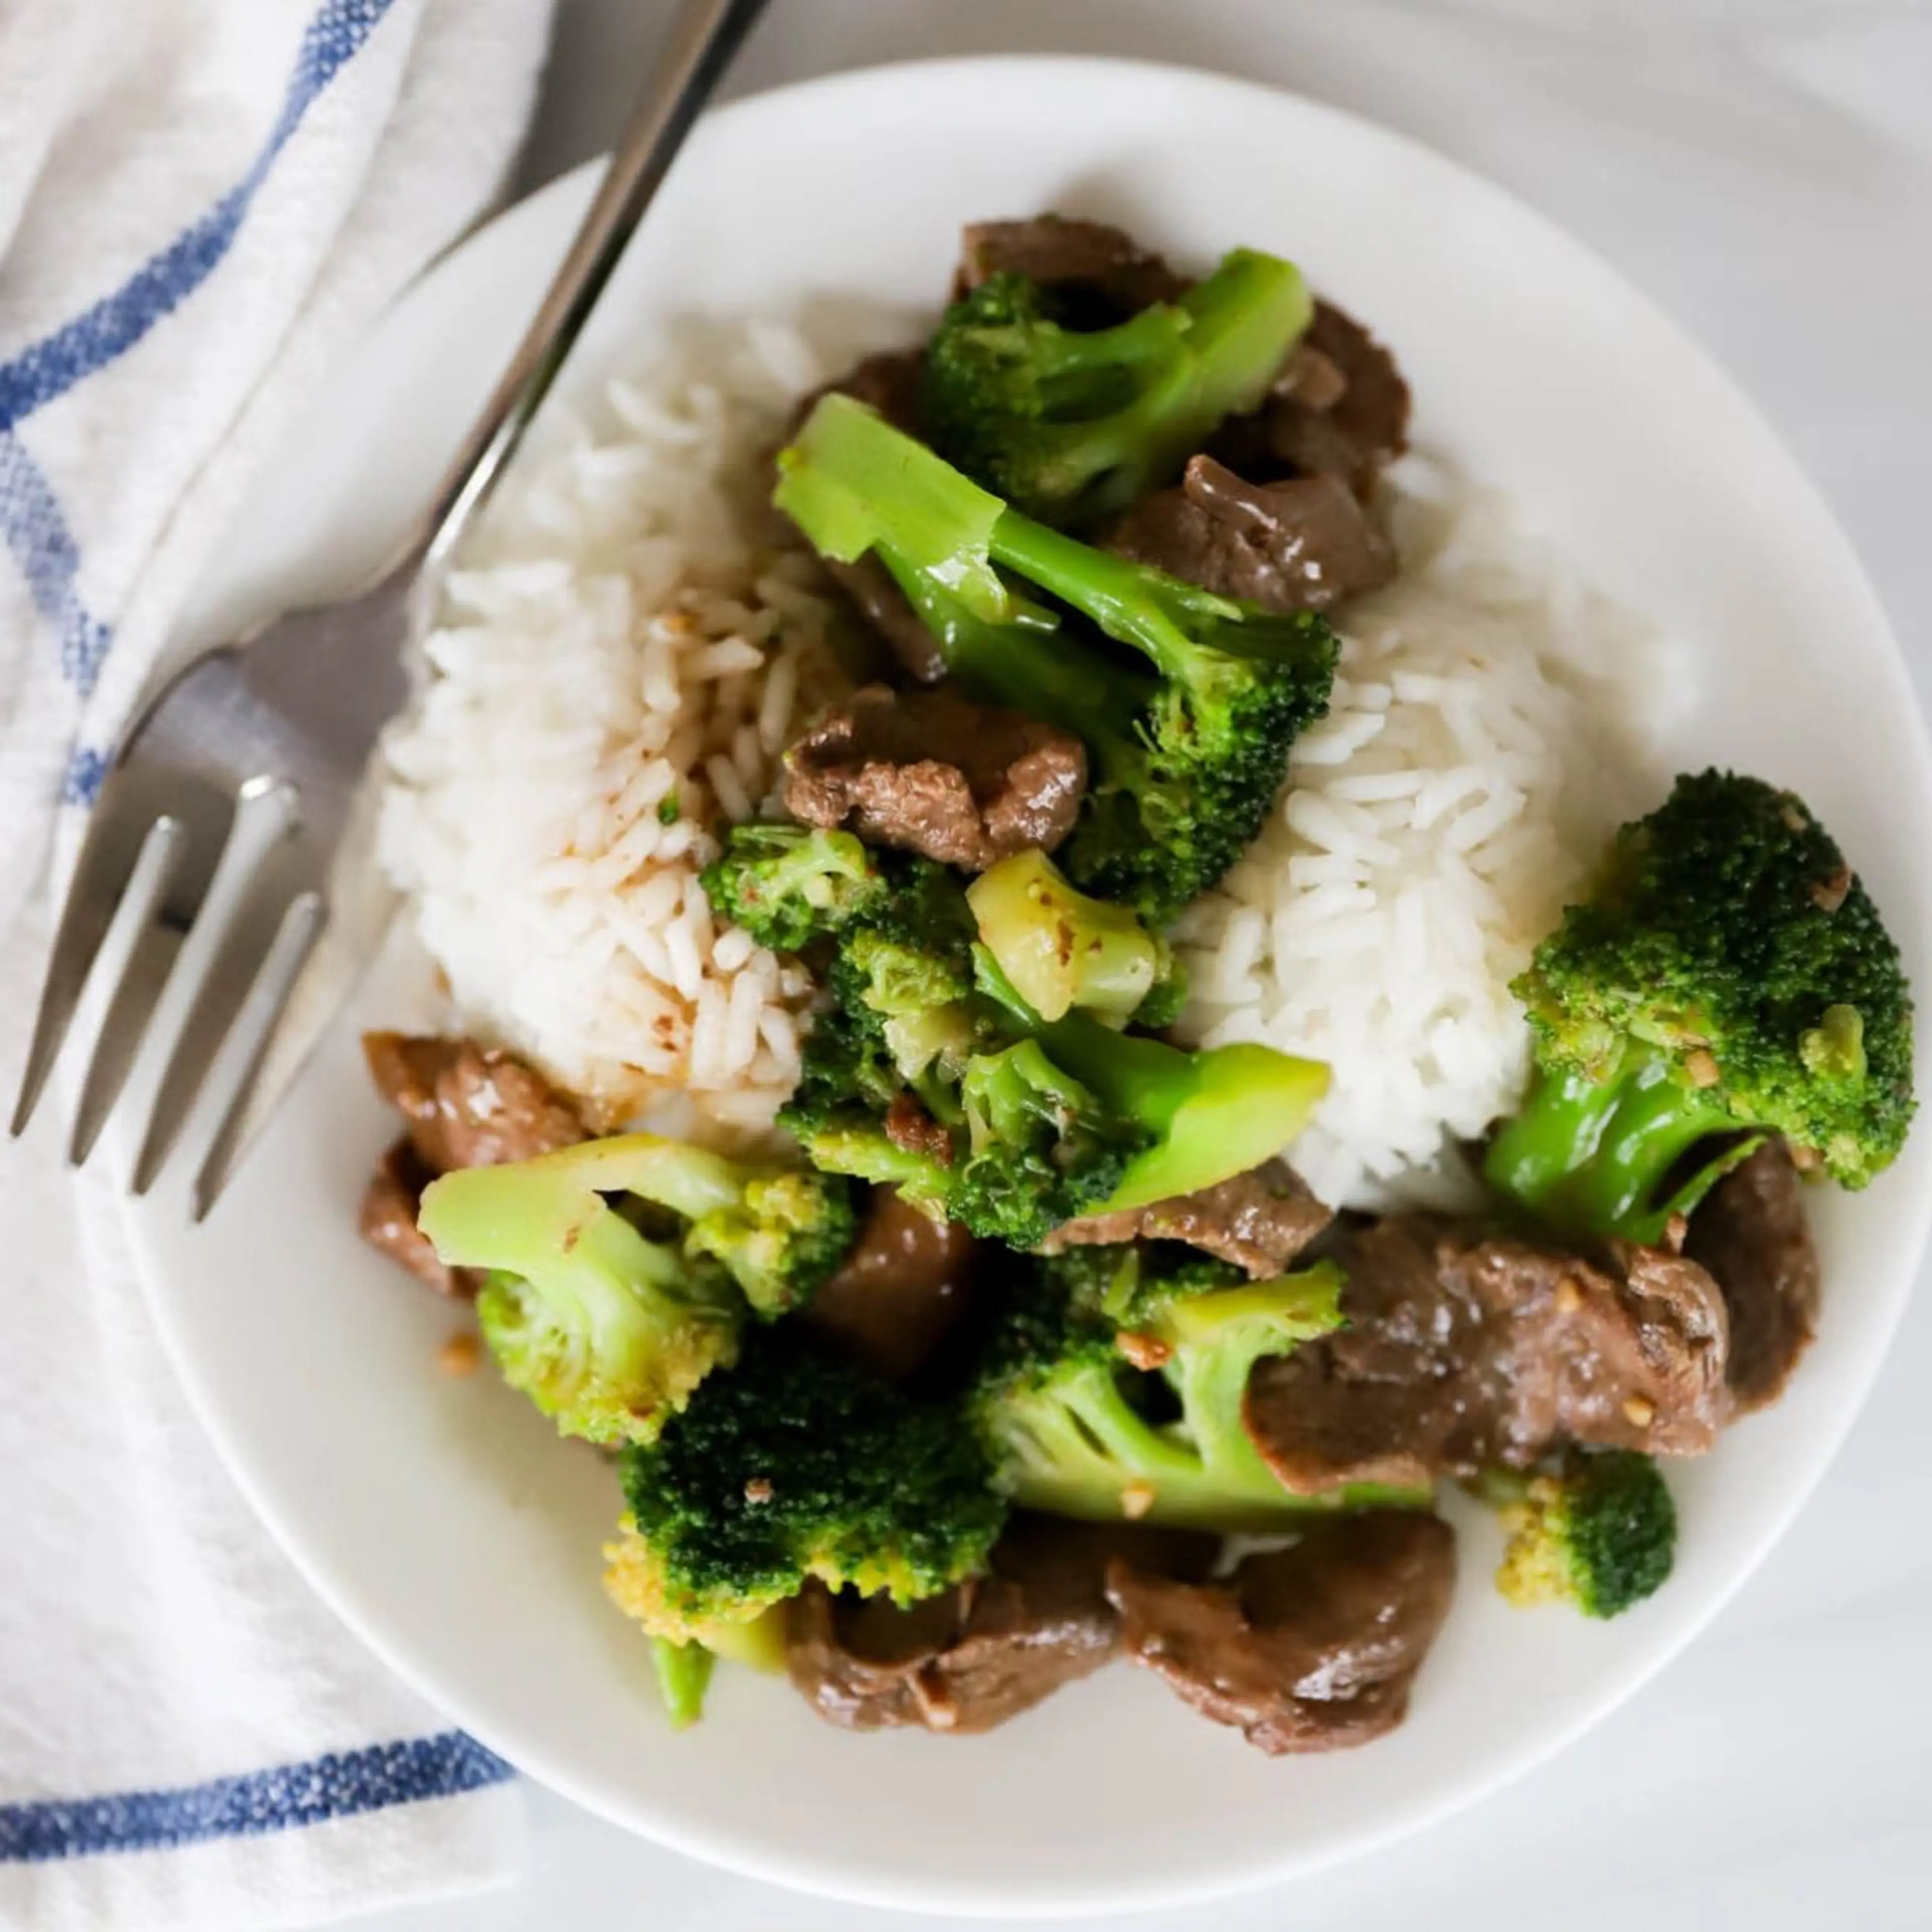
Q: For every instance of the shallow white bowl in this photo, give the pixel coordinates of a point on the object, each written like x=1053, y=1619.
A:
x=446, y=1522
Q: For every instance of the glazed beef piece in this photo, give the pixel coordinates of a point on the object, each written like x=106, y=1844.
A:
x=463, y=1105
x=388, y=1222
x=900, y=1291
x=466, y=1105
x=931, y=772
x=888, y=382
x=1309, y=1648
x=1750, y=1234
x=1101, y=273
x=1303, y=544
x=1339, y=408
x=1463, y=1350
x=985, y=1651
x=1258, y=1221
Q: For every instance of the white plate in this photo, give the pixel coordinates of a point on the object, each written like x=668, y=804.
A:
x=446, y=1522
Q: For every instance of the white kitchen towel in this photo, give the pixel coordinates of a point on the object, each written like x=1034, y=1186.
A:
x=201, y=203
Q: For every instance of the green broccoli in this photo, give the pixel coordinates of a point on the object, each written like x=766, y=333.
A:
x=1204, y=1115
x=796, y=1463
x=1186, y=752
x=608, y=1329
x=1071, y=425
x=1111, y=1382
x=1599, y=1532
x=1040, y=1148
x=684, y=1674
x=1048, y=1119
x=1729, y=978
x=783, y=883
x=1061, y=948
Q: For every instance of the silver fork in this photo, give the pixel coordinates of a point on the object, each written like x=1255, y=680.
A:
x=240, y=786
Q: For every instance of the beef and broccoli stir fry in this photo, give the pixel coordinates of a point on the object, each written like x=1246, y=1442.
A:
x=962, y=1394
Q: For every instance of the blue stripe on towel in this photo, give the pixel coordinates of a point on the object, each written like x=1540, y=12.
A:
x=74, y=351
x=339, y=1786
x=36, y=532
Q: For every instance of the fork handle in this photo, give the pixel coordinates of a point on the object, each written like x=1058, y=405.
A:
x=704, y=38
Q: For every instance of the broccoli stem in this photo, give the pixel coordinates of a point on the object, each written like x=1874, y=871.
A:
x=866, y=1154
x=1123, y=598
x=1216, y=1112
x=684, y=1674
x=1599, y=1157
x=1213, y=1113
x=1218, y=1337
x=1060, y=948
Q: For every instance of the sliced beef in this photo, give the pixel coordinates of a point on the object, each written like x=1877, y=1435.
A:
x=1751, y=1234
x=1309, y=1648
x=988, y=1650
x=466, y=1105
x=1463, y=1349
x=1259, y=1221
x=390, y=1204
x=1339, y=408
x=931, y=772
x=1303, y=544
x=1101, y=274
x=463, y=1105
x=888, y=382
x=900, y=1290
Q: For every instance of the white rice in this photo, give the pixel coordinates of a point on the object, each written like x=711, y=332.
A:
x=632, y=625
x=1481, y=745
x=631, y=630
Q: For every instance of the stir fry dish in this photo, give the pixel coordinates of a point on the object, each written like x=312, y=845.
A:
x=982, y=1324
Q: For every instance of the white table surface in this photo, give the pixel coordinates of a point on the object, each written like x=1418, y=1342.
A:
x=1764, y=168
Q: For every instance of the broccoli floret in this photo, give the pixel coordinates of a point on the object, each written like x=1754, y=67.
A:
x=1205, y=1115
x=1729, y=978
x=1185, y=752
x=797, y=1464
x=784, y=884
x=608, y=1331
x=1049, y=1120
x=1041, y=1149
x=1112, y=1380
x=1599, y=1532
x=1071, y=425
x=1061, y=948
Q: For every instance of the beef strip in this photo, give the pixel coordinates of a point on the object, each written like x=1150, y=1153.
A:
x=390, y=1204
x=1339, y=408
x=1751, y=1234
x=979, y=1654
x=1259, y=1221
x=931, y=772
x=1101, y=274
x=1464, y=1349
x=466, y=1105
x=463, y=1105
x=1309, y=1648
x=1303, y=544
x=888, y=381
x=901, y=1289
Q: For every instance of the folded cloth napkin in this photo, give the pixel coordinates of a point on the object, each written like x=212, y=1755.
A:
x=201, y=203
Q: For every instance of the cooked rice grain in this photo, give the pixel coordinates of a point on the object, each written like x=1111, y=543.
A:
x=631, y=626
x=1479, y=750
